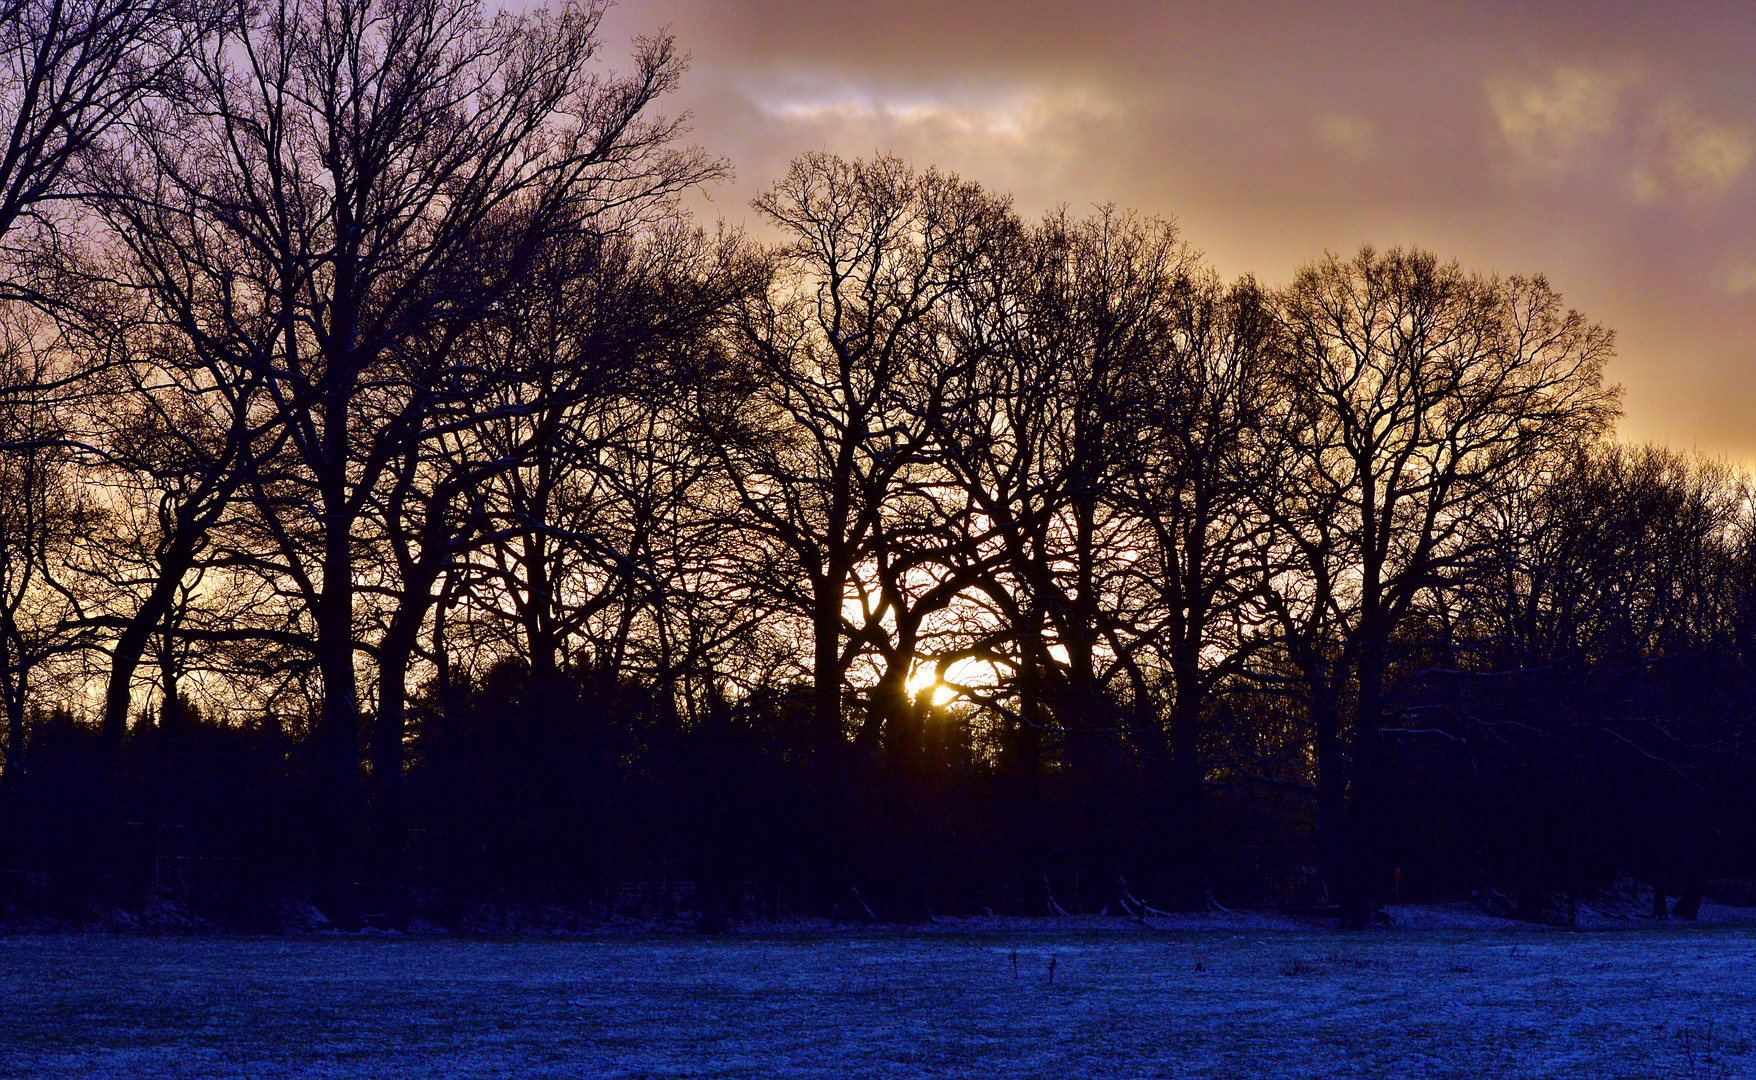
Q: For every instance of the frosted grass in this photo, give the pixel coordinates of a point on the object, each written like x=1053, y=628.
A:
x=1242, y=999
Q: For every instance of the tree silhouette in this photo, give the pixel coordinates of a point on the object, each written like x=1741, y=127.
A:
x=1413, y=392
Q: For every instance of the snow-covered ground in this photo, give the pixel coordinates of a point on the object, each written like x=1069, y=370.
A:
x=1243, y=996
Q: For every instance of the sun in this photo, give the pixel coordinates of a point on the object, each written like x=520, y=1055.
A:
x=925, y=676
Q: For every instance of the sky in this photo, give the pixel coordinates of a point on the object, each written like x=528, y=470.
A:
x=1610, y=146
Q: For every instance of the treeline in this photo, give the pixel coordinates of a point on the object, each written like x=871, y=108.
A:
x=405, y=505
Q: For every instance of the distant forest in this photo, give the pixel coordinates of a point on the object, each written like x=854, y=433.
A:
x=405, y=506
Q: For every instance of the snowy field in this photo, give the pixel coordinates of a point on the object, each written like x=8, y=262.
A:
x=1225, y=997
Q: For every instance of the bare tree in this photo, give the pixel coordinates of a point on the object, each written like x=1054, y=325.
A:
x=1412, y=393
x=1607, y=555
x=1606, y=601
x=612, y=348
x=43, y=516
x=168, y=412
x=1198, y=465
x=566, y=374
x=70, y=73
x=1059, y=342
x=392, y=168
x=826, y=439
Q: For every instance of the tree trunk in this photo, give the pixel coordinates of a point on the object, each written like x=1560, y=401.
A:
x=125, y=657
x=1023, y=765
x=1188, y=811
x=101, y=825
x=888, y=722
x=339, y=796
x=1363, y=825
x=1331, y=783
x=539, y=633
x=15, y=698
x=389, y=823
x=131, y=643
x=12, y=777
x=826, y=671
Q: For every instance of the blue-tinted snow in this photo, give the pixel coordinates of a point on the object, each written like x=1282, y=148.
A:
x=1220, y=997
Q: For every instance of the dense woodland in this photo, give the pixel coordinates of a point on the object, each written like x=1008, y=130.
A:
x=404, y=505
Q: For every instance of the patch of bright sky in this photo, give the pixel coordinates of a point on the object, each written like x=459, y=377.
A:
x=999, y=113
x=1026, y=138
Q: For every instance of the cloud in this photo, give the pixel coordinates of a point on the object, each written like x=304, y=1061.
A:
x=1031, y=139
x=1353, y=136
x=998, y=114
x=1549, y=123
x=1515, y=137
x=1618, y=124
x=1695, y=154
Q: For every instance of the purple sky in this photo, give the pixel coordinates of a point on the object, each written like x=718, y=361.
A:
x=1611, y=146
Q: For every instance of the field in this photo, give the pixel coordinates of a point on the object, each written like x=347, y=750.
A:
x=1221, y=997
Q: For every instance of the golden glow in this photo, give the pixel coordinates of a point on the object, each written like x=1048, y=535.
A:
x=924, y=676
